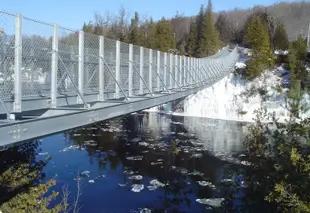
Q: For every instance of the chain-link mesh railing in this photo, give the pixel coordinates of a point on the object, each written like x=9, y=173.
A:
x=91, y=63
x=7, y=37
x=73, y=58
x=36, y=58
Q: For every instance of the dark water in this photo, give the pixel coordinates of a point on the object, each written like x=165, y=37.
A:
x=109, y=157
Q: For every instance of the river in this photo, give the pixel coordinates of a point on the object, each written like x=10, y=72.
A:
x=146, y=162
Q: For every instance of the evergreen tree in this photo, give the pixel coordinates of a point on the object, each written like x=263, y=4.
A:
x=192, y=40
x=257, y=38
x=297, y=61
x=223, y=27
x=200, y=34
x=211, y=42
x=181, y=47
x=134, y=34
x=150, y=34
x=280, y=38
x=164, y=37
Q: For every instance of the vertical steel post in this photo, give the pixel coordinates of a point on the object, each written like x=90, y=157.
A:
x=54, y=67
x=165, y=68
x=158, y=71
x=190, y=68
x=141, y=71
x=130, y=74
x=176, y=71
x=150, y=69
x=180, y=70
x=117, y=68
x=101, y=68
x=17, y=108
x=171, y=66
x=81, y=65
x=184, y=71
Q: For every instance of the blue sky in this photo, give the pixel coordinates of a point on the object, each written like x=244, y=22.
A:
x=72, y=13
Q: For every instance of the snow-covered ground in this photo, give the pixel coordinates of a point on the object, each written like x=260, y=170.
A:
x=226, y=99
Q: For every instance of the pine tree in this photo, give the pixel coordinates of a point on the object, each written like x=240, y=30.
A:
x=212, y=42
x=257, y=38
x=200, y=34
x=150, y=34
x=164, y=37
x=280, y=38
x=134, y=34
x=181, y=47
x=223, y=27
x=192, y=40
x=297, y=61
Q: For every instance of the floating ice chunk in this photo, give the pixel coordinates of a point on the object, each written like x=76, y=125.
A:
x=128, y=172
x=91, y=181
x=145, y=210
x=143, y=144
x=152, y=188
x=135, y=158
x=72, y=147
x=196, y=173
x=196, y=155
x=122, y=184
x=137, y=187
x=85, y=173
x=214, y=202
x=227, y=180
x=136, y=177
x=156, y=163
x=155, y=182
x=204, y=183
x=90, y=143
x=245, y=163
x=43, y=153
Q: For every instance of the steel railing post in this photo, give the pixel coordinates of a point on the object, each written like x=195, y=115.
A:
x=101, y=68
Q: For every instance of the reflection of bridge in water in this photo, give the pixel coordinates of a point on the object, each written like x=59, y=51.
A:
x=107, y=78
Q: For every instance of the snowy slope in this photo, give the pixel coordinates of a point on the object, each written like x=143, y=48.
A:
x=224, y=99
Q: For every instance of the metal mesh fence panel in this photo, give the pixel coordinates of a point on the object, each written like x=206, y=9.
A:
x=36, y=58
x=136, y=61
x=124, y=54
x=154, y=70
x=91, y=63
x=7, y=43
x=68, y=60
x=110, y=58
x=162, y=67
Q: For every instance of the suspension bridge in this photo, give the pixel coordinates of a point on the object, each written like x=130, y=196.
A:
x=53, y=78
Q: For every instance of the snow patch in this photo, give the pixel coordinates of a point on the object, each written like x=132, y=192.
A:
x=226, y=99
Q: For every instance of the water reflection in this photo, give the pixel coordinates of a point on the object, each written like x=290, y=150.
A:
x=176, y=160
